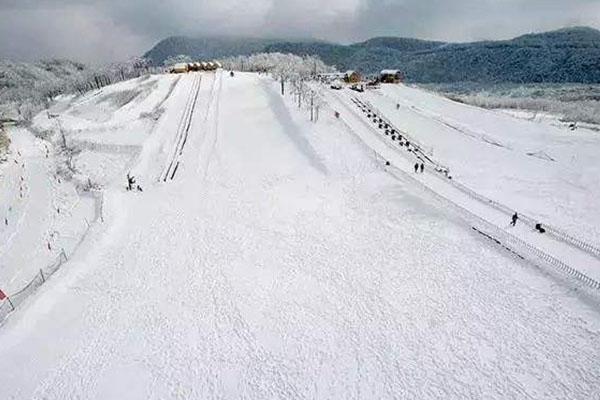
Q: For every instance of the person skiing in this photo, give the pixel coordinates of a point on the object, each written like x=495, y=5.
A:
x=422, y=167
x=416, y=167
x=515, y=217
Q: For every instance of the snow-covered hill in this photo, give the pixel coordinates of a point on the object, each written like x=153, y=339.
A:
x=272, y=257
x=27, y=88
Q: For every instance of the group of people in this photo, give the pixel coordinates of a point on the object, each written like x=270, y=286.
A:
x=419, y=167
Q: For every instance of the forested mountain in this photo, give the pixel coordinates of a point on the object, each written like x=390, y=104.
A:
x=205, y=48
x=566, y=55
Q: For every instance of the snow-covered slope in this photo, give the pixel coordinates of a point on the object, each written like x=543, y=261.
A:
x=43, y=209
x=535, y=168
x=42, y=214
x=283, y=260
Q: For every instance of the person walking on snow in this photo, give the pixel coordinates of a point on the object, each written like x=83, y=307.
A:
x=422, y=167
x=515, y=217
x=416, y=167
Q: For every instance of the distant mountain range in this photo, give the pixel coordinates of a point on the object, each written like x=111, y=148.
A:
x=206, y=48
x=565, y=55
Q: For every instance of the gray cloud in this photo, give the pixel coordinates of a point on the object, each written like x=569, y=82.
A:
x=107, y=30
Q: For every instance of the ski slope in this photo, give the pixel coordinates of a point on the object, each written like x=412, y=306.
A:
x=283, y=260
x=555, y=249
x=538, y=169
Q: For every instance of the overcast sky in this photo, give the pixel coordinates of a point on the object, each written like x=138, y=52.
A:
x=100, y=31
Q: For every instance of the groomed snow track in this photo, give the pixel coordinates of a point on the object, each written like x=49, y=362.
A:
x=183, y=130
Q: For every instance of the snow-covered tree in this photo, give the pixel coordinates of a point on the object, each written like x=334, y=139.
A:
x=4, y=142
x=27, y=88
x=283, y=67
x=181, y=58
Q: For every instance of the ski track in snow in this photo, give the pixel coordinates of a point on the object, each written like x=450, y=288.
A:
x=284, y=262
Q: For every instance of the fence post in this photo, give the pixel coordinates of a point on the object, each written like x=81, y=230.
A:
x=11, y=303
x=101, y=207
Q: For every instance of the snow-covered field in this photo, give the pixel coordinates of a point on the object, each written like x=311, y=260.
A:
x=283, y=260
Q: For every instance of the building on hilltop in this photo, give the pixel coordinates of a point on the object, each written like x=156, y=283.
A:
x=329, y=77
x=391, y=76
x=180, y=68
x=352, y=77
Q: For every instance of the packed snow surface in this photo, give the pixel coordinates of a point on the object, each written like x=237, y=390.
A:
x=283, y=261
